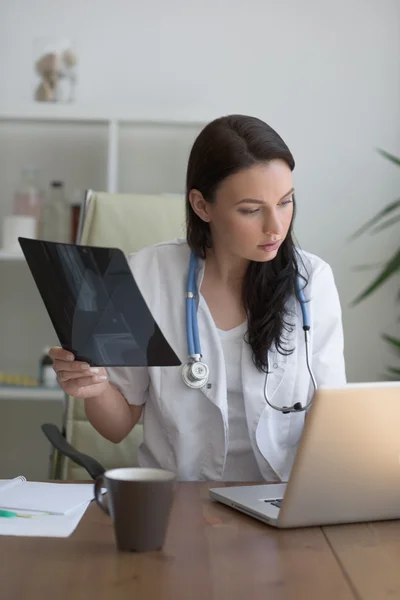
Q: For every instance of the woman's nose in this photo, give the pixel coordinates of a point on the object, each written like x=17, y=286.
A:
x=272, y=224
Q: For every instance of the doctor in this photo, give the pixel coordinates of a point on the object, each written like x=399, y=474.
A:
x=240, y=206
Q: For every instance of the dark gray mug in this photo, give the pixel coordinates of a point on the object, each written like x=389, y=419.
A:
x=139, y=502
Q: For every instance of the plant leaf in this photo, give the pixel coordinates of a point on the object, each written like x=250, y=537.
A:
x=385, y=224
x=391, y=157
x=390, y=269
x=369, y=267
x=389, y=208
x=394, y=371
x=392, y=340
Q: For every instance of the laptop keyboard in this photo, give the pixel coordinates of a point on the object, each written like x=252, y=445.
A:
x=277, y=503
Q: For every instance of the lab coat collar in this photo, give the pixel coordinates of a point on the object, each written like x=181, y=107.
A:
x=262, y=420
x=211, y=349
x=276, y=361
x=258, y=413
x=200, y=267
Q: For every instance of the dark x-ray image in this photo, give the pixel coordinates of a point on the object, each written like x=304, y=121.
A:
x=95, y=305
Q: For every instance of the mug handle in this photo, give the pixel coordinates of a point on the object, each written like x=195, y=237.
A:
x=98, y=496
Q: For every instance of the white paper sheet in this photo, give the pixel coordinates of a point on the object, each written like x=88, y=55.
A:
x=43, y=526
x=59, y=498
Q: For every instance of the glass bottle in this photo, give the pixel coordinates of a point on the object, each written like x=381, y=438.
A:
x=55, y=215
x=47, y=375
x=29, y=196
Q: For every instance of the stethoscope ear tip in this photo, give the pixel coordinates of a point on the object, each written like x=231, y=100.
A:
x=297, y=407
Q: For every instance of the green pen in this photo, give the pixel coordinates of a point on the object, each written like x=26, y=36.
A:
x=9, y=514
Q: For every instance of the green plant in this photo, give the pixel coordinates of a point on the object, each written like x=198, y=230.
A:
x=387, y=217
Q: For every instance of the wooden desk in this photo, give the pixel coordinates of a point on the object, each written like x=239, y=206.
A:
x=211, y=552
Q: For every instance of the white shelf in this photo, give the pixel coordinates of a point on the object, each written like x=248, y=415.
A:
x=112, y=118
x=26, y=393
x=11, y=256
x=47, y=111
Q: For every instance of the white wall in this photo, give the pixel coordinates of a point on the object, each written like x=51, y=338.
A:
x=325, y=75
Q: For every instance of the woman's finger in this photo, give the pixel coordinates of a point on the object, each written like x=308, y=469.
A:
x=80, y=367
x=69, y=375
x=57, y=353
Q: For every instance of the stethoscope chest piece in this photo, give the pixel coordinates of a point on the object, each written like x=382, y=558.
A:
x=195, y=374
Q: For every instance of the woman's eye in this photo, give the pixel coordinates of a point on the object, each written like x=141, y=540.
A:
x=285, y=202
x=245, y=211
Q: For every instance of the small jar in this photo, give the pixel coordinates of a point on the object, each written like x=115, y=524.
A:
x=29, y=196
x=47, y=375
x=55, y=214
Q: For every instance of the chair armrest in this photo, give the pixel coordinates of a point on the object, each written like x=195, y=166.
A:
x=58, y=441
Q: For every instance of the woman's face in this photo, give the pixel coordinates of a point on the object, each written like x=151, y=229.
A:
x=252, y=212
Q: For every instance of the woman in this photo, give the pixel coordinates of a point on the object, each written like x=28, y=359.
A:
x=240, y=207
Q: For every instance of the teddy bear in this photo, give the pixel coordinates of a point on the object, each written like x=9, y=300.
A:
x=53, y=68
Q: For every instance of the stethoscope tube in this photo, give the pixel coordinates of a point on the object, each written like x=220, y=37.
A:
x=297, y=407
x=195, y=373
x=190, y=304
x=303, y=305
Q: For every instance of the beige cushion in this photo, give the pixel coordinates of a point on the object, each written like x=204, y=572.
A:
x=129, y=222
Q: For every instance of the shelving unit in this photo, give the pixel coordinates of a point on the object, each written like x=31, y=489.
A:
x=47, y=112
x=75, y=113
x=27, y=407
x=13, y=256
x=112, y=121
x=27, y=393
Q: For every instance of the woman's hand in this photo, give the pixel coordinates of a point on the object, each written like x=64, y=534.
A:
x=77, y=378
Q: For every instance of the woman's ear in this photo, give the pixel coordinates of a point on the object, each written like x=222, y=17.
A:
x=199, y=205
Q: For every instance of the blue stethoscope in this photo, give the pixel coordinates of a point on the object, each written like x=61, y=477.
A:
x=195, y=373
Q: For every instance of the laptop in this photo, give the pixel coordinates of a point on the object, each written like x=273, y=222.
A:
x=95, y=305
x=347, y=466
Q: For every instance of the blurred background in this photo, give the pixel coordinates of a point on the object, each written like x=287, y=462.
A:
x=110, y=96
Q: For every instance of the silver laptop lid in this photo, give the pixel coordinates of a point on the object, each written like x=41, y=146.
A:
x=347, y=467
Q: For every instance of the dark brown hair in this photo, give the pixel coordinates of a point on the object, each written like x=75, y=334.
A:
x=224, y=147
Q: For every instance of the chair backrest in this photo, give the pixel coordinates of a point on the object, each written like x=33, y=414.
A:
x=129, y=222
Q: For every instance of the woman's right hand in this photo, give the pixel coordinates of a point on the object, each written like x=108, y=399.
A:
x=77, y=378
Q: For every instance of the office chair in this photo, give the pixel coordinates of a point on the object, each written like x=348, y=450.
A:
x=129, y=222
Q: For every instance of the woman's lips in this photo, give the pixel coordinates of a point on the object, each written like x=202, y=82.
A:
x=270, y=247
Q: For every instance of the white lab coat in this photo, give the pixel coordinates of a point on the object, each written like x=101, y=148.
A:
x=186, y=430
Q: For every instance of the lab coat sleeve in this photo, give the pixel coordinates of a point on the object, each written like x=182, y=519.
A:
x=328, y=344
x=132, y=382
